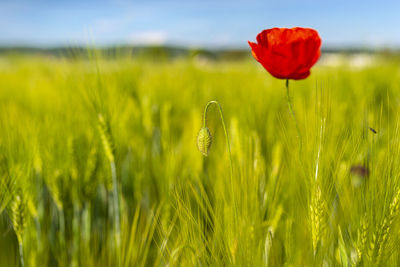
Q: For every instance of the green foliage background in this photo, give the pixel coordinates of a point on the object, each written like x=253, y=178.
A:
x=177, y=207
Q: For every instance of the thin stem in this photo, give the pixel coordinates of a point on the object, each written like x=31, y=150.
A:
x=322, y=129
x=116, y=211
x=224, y=127
x=293, y=115
x=21, y=254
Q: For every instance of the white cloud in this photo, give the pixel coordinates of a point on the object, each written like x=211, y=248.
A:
x=148, y=38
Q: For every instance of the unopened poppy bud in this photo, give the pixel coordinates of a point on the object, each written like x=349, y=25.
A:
x=204, y=140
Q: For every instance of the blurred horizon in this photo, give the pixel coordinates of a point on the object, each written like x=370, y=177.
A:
x=206, y=24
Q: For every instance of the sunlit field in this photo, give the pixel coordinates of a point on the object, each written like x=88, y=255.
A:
x=100, y=166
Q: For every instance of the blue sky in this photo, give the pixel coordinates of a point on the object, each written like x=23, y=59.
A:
x=217, y=23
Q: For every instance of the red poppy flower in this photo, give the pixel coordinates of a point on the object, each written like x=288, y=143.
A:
x=287, y=53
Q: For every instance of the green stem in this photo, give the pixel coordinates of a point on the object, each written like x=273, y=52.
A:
x=293, y=115
x=116, y=211
x=225, y=131
x=21, y=254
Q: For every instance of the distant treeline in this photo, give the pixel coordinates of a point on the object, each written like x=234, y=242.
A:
x=163, y=52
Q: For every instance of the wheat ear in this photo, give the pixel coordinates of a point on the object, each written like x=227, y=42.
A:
x=108, y=145
x=382, y=236
x=18, y=218
x=362, y=238
x=317, y=215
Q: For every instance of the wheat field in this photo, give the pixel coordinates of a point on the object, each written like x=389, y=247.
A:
x=100, y=166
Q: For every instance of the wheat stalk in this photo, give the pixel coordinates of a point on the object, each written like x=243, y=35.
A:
x=317, y=217
x=7, y=187
x=381, y=237
x=108, y=145
x=362, y=238
x=18, y=218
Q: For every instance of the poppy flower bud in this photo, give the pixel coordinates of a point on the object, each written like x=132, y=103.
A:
x=204, y=140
